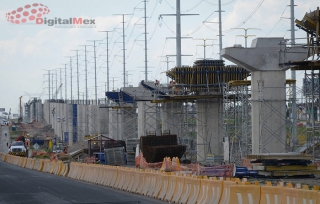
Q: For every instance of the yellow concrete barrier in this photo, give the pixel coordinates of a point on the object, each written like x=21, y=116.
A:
x=210, y=191
x=271, y=194
x=191, y=190
x=241, y=194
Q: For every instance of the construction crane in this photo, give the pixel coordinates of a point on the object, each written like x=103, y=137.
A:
x=20, y=107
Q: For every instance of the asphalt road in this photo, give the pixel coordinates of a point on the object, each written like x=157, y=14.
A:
x=25, y=186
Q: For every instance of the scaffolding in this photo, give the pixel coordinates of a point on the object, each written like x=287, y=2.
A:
x=237, y=120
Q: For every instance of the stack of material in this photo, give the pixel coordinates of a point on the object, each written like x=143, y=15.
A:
x=284, y=165
x=155, y=148
x=130, y=145
x=115, y=156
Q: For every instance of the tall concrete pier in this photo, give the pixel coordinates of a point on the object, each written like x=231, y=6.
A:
x=266, y=59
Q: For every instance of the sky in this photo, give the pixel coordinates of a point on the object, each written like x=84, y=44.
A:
x=28, y=50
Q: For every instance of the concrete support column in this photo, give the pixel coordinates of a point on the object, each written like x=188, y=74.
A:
x=128, y=123
x=172, y=117
x=209, y=138
x=114, y=126
x=103, y=120
x=82, y=116
x=69, y=122
x=93, y=119
x=268, y=112
x=147, y=117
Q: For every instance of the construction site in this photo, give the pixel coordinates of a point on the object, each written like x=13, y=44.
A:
x=246, y=121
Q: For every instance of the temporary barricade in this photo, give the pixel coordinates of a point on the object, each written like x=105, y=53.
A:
x=114, y=176
x=148, y=174
x=249, y=194
x=178, y=190
x=136, y=178
x=158, y=185
x=210, y=191
x=296, y=195
x=128, y=179
x=65, y=169
x=152, y=184
x=271, y=194
x=30, y=163
x=191, y=190
x=57, y=167
x=164, y=185
x=171, y=187
x=225, y=197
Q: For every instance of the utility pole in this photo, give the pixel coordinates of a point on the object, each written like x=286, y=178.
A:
x=71, y=79
x=77, y=74
x=245, y=33
x=124, y=49
x=293, y=76
x=86, y=71
x=95, y=70
x=145, y=42
x=220, y=29
x=167, y=61
x=49, y=76
x=113, y=82
x=204, y=46
x=178, y=31
x=107, y=58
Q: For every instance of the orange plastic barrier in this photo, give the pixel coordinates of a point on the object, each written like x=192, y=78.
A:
x=158, y=185
x=271, y=194
x=210, y=191
x=249, y=194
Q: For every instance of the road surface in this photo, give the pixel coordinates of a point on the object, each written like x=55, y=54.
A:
x=25, y=186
